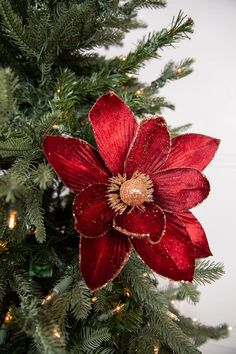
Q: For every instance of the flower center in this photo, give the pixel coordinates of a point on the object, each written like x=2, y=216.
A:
x=134, y=191
x=123, y=193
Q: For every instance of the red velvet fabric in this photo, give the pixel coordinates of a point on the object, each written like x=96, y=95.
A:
x=150, y=148
x=150, y=223
x=180, y=188
x=196, y=233
x=114, y=126
x=191, y=150
x=93, y=215
x=76, y=162
x=102, y=259
x=173, y=256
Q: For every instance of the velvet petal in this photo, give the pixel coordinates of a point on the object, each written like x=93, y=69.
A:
x=180, y=188
x=114, y=126
x=197, y=234
x=173, y=256
x=191, y=150
x=92, y=213
x=150, y=148
x=149, y=223
x=102, y=259
x=76, y=162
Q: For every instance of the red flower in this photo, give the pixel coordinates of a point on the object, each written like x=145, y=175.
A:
x=135, y=194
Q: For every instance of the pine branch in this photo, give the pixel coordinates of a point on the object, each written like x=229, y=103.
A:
x=132, y=5
x=189, y=292
x=80, y=302
x=15, y=30
x=147, y=49
x=47, y=341
x=42, y=176
x=92, y=339
x=171, y=336
x=35, y=213
x=207, y=272
x=62, y=30
x=18, y=142
x=25, y=287
x=199, y=332
x=173, y=71
x=3, y=286
x=134, y=275
x=19, y=172
x=181, y=129
x=8, y=86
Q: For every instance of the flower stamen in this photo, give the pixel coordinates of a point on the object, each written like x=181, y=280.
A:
x=133, y=192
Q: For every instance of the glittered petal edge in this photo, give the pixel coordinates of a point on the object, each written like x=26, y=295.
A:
x=141, y=235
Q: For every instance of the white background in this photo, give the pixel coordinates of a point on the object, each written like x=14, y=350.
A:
x=207, y=99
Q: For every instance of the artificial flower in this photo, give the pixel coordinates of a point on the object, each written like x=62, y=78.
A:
x=134, y=192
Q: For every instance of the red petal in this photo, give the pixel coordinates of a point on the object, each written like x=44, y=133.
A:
x=191, y=150
x=150, y=147
x=76, y=162
x=197, y=234
x=114, y=127
x=173, y=256
x=102, y=259
x=180, y=188
x=148, y=223
x=91, y=211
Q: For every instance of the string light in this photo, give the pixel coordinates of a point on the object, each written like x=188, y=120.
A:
x=172, y=316
x=12, y=219
x=8, y=317
x=60, y=288
x=94, y=299
x=3, y=245
x=179, y=71
x=56, y=126
x=173, y=302
x=230, y=328
x=122, y=58
x=139, y=92
x=119, y=307
x=155, y=349
x=50, y=297
x=56, y=332
x=130, y=75
x=145, y=275
x=194, y=320
x=127, y=292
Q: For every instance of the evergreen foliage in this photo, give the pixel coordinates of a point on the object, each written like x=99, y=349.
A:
x=50, y=76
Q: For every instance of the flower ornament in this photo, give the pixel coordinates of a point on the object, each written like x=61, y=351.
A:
x=135, y=192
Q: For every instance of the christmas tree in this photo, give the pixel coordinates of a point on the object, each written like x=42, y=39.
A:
x=95, y=210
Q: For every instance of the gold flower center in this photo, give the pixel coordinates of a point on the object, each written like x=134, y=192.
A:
x=134, y=191
x=123, y=193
